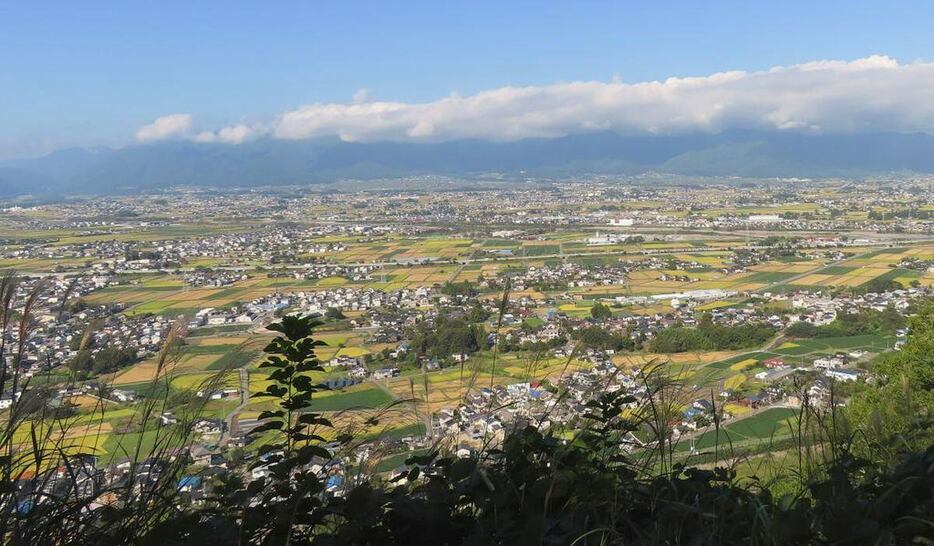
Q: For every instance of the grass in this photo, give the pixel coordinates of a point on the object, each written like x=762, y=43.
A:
x=233, y=360
x=392, y=462
x=541, y=250
x=724, y=364
x=768, y=276
x=838, y=270
x=499, y=243
x=828, y=344
x=760, y=427
x=370, y=397
x=124, y=446
x=893, y=274
x=213, y=330
x=220, y=349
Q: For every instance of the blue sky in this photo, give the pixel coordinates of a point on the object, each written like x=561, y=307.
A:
x=88, y=73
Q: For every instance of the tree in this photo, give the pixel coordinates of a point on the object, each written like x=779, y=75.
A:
x=111, y=359
x=334, y=313
x=77, y=305
x=600, y=311
x=478, y=313
x=449, y=336
x=802, y=329
x=285, y=506
x=600, y=338
x=462, y=288
x=902, y=408
x=83, y=361
x=107, y=360
x=709, y=337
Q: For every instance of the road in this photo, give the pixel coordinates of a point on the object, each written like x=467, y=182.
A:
x=244, y=398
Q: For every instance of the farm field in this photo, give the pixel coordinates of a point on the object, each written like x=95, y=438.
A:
x=762, y=427
x=429, y=256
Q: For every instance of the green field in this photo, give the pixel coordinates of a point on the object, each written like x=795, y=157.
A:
x=541, y=250
x=234, y=359
x=771, y=423
x=837, y=270
x=768, y=276
x=369, y=398
x=872, y=342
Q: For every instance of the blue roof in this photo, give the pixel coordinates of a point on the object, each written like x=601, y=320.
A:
x=189, y=481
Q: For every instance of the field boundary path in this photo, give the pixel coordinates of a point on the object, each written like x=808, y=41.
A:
x=235, y=413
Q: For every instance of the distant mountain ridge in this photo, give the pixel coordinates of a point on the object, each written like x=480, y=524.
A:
x=282, y=162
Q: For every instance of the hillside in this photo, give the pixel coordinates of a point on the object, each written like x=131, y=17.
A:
x=281, y=162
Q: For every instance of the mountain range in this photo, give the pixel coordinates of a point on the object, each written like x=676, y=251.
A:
x=270, y=161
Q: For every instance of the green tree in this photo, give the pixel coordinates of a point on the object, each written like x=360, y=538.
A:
x=334, y=313
x=600, y=311
x=285, y=506
x=478, y=313
x=897, y=416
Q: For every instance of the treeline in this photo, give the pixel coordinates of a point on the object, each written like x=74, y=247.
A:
x=914, y=214
x=600, y=338
x=869, y=321
x=448, y=336
x=708, y=336
x=107, y=360
x=461, y=288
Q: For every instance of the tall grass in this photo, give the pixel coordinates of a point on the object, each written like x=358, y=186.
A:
x=52, y=490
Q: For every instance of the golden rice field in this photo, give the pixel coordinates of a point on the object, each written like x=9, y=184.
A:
x=734, y=381
x=692, y=358
x=743, y=364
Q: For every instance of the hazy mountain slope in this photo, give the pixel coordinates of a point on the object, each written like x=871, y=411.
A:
x=279, y=162
x=15, y=182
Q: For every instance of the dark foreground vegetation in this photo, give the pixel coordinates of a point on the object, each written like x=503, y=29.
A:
x=863, y=477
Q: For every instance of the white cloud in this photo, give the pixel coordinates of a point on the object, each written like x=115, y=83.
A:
x=171, y=126
x=235, y=134
x=362, y=95
x=865, y=95
x=872, y=94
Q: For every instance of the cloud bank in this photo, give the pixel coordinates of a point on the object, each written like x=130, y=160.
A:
x=171, y=126
x=872, y=94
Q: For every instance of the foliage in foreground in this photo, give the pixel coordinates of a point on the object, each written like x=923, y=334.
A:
x=541, y=488
x=538, y=487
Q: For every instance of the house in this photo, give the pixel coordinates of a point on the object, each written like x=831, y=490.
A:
x=773, y=363
x=829, y=362
x=207, y=426
x=124, y=396
x=357, y=372
x=189, y=483
x=386, y=373
x=844, y=374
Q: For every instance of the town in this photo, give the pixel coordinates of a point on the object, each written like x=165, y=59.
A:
x=507, y=306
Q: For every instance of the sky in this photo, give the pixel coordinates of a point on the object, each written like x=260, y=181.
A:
x=116, y=73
